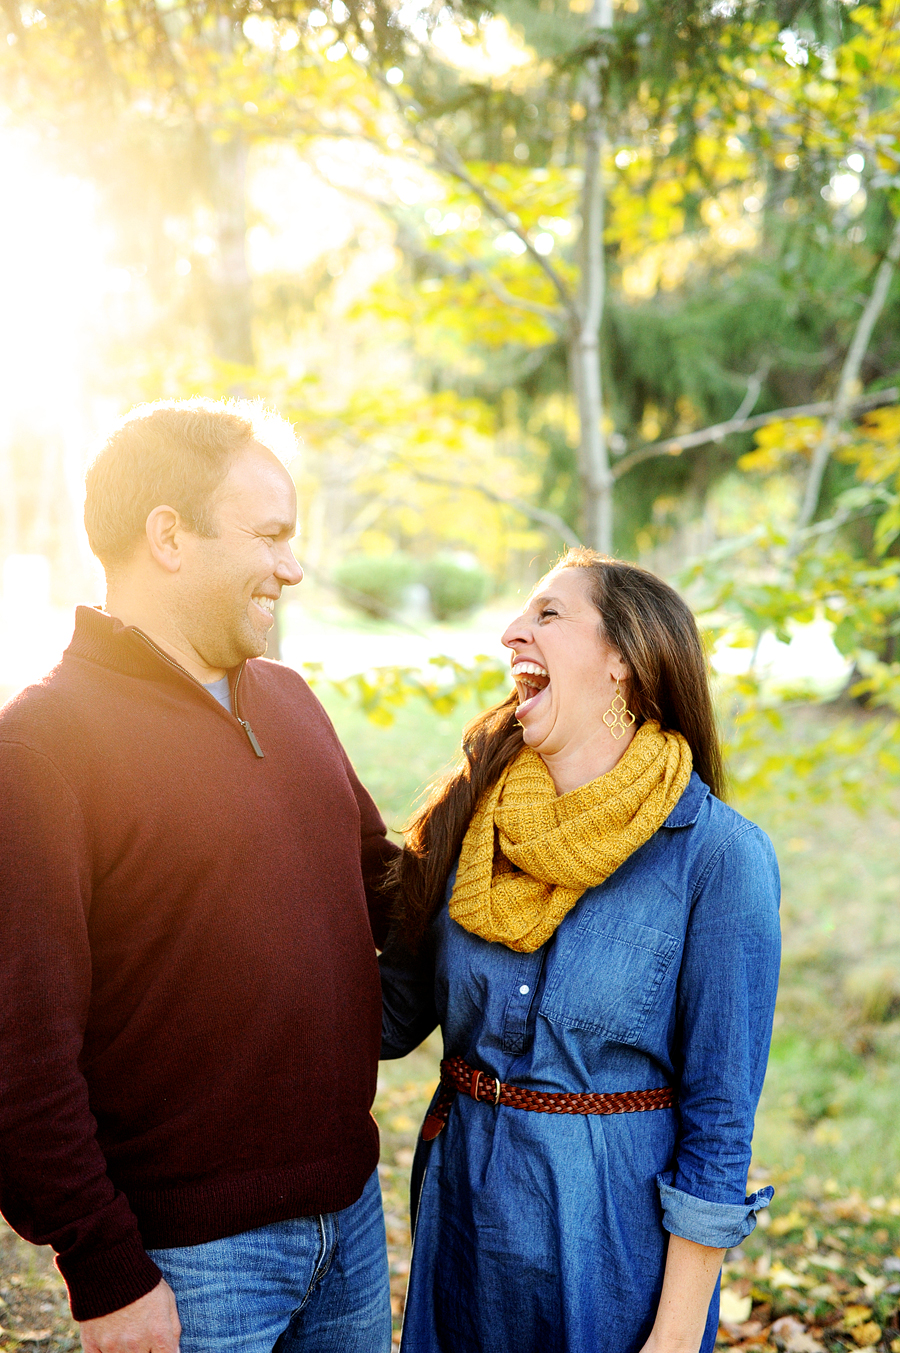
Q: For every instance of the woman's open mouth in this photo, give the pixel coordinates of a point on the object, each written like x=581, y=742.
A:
x=531, y=681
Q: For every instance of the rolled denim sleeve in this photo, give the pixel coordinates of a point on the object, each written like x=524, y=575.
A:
x=726, y=1001
x=720, y=1225
x=407, y=989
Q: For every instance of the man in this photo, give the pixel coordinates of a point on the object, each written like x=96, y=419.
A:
x=189, y=873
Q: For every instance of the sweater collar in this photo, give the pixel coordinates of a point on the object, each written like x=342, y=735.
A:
x=103, y=639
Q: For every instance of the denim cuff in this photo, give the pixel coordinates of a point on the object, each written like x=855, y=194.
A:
x=720, y=1225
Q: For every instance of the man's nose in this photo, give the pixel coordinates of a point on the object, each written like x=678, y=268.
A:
x=288, y=570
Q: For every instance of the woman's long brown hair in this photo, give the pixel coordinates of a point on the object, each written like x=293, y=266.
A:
x=655, y=632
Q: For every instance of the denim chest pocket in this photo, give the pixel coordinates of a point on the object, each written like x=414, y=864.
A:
x=606, y=976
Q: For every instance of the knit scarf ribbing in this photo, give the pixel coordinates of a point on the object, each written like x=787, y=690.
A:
x=529, y=853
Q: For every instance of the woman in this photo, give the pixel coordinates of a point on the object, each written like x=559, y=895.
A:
x=604, y=974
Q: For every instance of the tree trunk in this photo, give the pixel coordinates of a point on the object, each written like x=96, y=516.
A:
x=230, y=308
x=584, y=343
x=229, y=305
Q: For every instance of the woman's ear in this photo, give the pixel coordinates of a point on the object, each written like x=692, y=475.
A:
x=618, y=668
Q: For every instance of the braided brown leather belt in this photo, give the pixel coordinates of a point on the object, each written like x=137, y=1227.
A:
x=458, y=1077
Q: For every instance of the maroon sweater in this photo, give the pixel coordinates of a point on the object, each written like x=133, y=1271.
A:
x=190, y=1012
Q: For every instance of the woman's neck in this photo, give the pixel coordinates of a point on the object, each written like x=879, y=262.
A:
x=571, y=768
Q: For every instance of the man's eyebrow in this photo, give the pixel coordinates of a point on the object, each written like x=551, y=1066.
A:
x=277, y=526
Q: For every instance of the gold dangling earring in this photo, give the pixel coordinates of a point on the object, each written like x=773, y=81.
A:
x=618, y=718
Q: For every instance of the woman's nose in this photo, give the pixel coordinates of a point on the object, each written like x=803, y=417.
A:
x=519, y=632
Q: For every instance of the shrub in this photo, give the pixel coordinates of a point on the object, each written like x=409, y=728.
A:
x=455, y=587
x=374, y=583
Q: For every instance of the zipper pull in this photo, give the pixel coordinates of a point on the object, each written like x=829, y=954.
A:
x=251, y=737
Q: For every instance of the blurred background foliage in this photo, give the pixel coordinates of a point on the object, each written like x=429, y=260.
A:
x=400, y=224
x=523, y=274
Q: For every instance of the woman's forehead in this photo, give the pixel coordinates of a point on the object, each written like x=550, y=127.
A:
x=560, y=582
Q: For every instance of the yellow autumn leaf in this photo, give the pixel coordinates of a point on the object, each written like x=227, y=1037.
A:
x=779, y=1276
x=733, y=1308
x=856, y=1315
x=793, y=436
x=790, y=1221
x=866, y=1336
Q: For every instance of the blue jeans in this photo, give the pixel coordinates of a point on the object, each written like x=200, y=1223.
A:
x=311, y=1285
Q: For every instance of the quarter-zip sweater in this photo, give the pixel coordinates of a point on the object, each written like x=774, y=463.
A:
x=190, y=1015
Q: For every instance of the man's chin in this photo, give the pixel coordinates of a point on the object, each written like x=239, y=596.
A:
x=258, y=646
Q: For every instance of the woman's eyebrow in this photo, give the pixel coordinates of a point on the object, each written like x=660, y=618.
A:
x=539, y=601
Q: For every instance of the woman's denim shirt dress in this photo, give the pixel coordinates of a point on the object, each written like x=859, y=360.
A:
x=665, y=974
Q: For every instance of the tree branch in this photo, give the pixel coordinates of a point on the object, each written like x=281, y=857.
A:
x=849, y=378
x=537, y=514
x=754, y=386
x=447, y=156
x=553, y=316
x=673, y=446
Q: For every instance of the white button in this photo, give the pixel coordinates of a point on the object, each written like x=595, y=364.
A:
x=523, y=991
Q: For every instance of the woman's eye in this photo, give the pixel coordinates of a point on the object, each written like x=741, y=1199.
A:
x=545, y=613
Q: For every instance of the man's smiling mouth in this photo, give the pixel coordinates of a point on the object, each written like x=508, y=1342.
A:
x=266, y=605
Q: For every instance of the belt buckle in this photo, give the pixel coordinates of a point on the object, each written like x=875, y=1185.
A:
x=475, y=1082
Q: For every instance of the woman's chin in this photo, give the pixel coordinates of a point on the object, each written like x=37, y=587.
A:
x=534, y=736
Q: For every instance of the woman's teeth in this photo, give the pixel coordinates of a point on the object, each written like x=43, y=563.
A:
x=525, y=672
x=531, y=680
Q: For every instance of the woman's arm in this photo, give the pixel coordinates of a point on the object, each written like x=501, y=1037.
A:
x=407, y=989
x=688, y=1284
x=726, y=998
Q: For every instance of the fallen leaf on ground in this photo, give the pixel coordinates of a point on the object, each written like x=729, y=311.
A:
x=732, y=1308
x=791, y=1221
x=792, y=1335
x=856, y=1315
x=779, y=1276
x=872, y=1284
x=831, y=1260
x=824, y=1292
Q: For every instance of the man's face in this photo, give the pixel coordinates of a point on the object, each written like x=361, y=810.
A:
x=229, y=583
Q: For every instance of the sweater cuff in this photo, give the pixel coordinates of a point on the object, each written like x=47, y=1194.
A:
x=109, y=1280
x=719, y=1225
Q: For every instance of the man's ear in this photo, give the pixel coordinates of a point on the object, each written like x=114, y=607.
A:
x=164, y=529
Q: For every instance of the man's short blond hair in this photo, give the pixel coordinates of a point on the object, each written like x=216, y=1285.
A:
x=174, y=453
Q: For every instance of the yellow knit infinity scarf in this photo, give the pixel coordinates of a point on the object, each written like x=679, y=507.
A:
x=529, y=853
